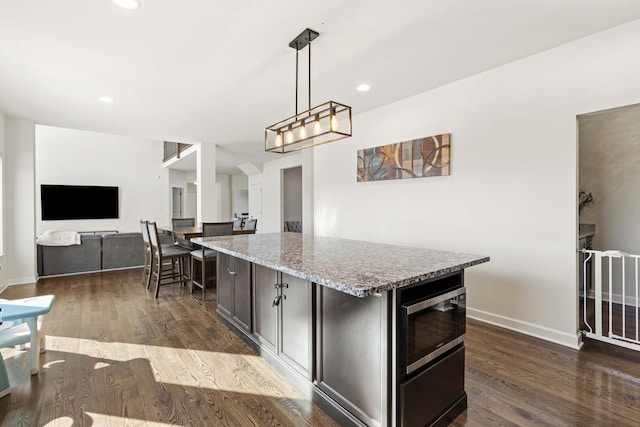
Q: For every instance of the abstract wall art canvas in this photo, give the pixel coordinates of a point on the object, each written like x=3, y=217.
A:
x=409, y=159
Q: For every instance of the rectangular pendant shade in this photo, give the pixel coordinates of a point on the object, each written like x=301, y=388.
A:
x=327, y=122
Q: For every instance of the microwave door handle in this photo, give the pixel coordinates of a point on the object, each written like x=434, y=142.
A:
x=433, y=301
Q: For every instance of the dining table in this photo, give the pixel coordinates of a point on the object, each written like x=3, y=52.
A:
x=187, y=233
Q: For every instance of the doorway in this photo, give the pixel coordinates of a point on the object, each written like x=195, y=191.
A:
x=292, y=199
x=608, y=208
x=177, y=202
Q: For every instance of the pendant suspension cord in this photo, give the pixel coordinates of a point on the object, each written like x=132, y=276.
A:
x=309, y=75
x=297, y=83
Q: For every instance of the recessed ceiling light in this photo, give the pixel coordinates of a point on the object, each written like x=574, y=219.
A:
x=128, y=4
x=363, y=87
x=106, y=99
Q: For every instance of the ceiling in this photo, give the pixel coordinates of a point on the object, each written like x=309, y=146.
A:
x=221, y=71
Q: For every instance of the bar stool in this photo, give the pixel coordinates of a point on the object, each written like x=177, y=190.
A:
x=208, y=256
x=148, y=254
x=251, y=224
x=166, y=256
x=146, y=268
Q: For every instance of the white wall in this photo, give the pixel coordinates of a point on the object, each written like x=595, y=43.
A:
x=208, y=202
x=292, y=194
x=239, y=194
x=178, y=179
x=256, y=200
x=191, y=200
x=512, y=190
x=272, y=191
x=308, y=193
x=20, y=248
x=224, y=197
x=3, y=270
x=66, y=156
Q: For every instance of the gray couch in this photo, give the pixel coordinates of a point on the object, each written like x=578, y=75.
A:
x=96, y=252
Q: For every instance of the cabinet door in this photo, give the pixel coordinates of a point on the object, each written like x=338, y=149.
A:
x=224, y=284
x=242, y=293
x=296, y=323
x=265, y=314
x=352, y=358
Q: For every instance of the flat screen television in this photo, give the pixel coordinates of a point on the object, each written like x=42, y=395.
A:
x=78, y=202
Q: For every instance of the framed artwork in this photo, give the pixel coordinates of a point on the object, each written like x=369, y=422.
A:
x=417, y=158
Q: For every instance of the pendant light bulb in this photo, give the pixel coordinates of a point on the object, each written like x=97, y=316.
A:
x=289, y=136
x=334, y=120
x=303, y=131
x=279, y=139
x=317, y=129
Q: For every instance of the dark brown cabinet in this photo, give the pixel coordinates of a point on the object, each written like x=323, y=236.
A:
x=234, y=290
x=265, y=290
x=283, y=317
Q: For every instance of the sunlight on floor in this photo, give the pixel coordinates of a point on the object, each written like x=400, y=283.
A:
x=60, y=422
x=105, y=420
x=112, y=420
x=184, y=367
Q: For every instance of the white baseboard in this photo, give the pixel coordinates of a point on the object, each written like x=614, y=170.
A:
x=542, y=332
x=22, y=281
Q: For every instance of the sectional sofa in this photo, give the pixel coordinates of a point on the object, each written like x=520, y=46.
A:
x=97, y=251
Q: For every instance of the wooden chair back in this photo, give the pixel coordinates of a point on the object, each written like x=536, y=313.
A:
x=251, y=224
x=144, y=229
x=183, y=222
x=211, y=229
x=154, y=238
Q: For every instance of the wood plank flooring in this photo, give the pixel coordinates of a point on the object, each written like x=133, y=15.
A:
x=118, y=357
x=618, y=312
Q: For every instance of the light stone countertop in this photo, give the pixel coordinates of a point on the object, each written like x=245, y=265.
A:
x=355, y=267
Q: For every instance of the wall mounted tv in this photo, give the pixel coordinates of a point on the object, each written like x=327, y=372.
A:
x=78, y=202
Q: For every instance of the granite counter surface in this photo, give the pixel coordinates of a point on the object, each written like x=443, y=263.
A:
x=351, y=266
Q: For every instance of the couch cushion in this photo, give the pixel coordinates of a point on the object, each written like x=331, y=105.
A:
x=70, y=259
x=122, y=250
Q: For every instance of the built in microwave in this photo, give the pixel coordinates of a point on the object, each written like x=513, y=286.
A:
x=432, y=327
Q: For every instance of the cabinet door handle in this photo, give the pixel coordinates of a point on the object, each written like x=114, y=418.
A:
x=233, y=273
x=276, y=301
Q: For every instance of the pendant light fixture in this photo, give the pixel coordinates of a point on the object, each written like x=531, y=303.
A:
x=324, y=123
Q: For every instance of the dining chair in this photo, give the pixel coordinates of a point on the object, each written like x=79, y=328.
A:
x=183, y=222
x=237, y=223
x=148, y=254
x=207, y=256
x=167, y=256
x=251, y=224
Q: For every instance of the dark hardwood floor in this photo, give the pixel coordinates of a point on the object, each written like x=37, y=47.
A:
x=118, y=357
x=618, y=313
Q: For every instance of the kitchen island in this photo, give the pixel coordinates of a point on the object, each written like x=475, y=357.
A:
x=372, y=333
